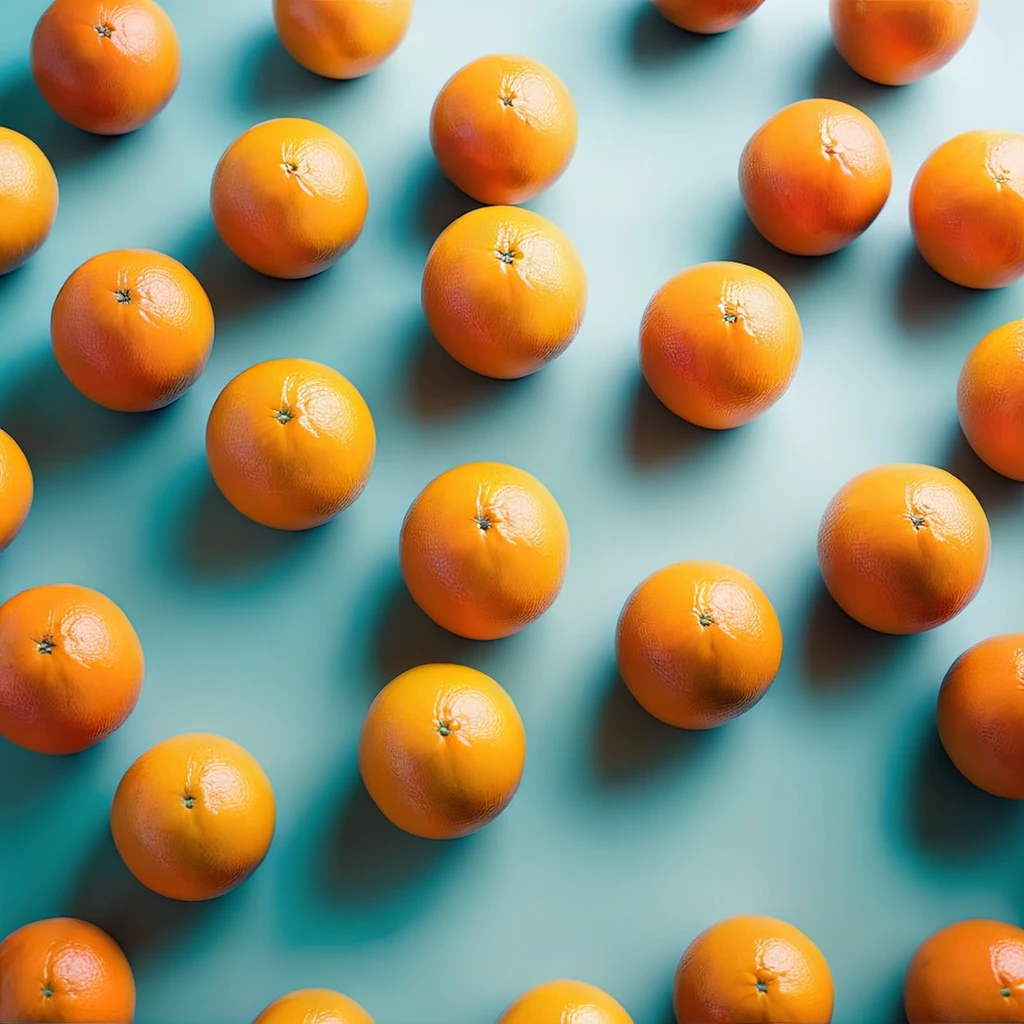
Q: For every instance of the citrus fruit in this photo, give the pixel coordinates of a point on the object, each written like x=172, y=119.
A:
x=698, y=643
x=503, y=128
x=132, y=329
x=290, y=443
x=65, y=971
x=815, y=176
x=28, y=199
x=967, y=209
x=289, y=197
x=193, y=817
x=903, y=548
x=442, y=751
x=314, y=1006
x=16, y=489
x=484, y=550
x=720, y=343
x=504, y=291
x=707, y=17
x=748, y=970
x=104, y=67
x=342, y=38
x=565, y=1002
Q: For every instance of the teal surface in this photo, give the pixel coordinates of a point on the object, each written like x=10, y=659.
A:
x=830, y=804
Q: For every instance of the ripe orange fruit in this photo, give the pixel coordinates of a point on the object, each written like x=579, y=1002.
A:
x=16, y=489
x=503, y=128
x=967, y=209
x=28, y=199
x=132, y=329
x=504, y=291
x=484, y=550
x=71, y=668
x=342, y=38
x=720, y=343
x=107, y=68
x=747, y=970
x=290, y=443
x=708, y=17
x=970, y=971
x=64, y=970
x=289, y=197
x=815, y=176
x=314, y=1006
x=442, y=751
x=565, y=1002
x=903, y=548
x=193, y=817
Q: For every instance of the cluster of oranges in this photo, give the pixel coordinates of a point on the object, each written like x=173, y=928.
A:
x=485, y=547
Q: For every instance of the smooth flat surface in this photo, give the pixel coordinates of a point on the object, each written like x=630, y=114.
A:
x=830, y=804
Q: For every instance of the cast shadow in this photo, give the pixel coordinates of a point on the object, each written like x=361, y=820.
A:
x=653, y=40
x=926, y=300
x=434, y=201
x=749, y=246
x=273, y=77
x=995, y=492
x=28, y=777
x=834, y=79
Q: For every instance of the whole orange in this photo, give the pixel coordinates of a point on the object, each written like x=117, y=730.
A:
x=71, y=668
x=16, y=489
x=65, y=971
x=442, y=751
x=967, y=209
x=314, y=1006
x=132, y=329
x=708, y=17
x=289, y=197
x=720, y=343
x=752, y=970
x=290, y=443
x=503, y=128
x=565, y=1002
x=28, y=199
x=904, y=548
x=107, y=68
x=342, y=38
x=970, y=971
x=504, y=291
x=815, y=176
x=484, y=550
x=193, y=817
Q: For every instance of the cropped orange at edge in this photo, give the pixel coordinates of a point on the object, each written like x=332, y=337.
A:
x=17, y=489
x=707, y=17
x=558, y=1002
x=314, y=1006
x=29, y=197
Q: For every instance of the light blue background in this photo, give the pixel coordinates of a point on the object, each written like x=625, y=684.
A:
x=830, y=804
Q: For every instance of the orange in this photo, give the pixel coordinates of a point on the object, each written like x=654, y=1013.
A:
x=753, y=970
x=71, y=668
x=132, y=329
x=342, y=38
x=64, y=970
x=895, y=42
x=565, y=1002
x=970, y=971
x=903, y=548
x=707, y=17
x=28, y=199
x=720, y=343
x=504, y=291
x=289, y=197
x=193, y=817
x=698, y=643
x=967, y=209
x=815, y=176
x=314, y=1006
x=484, y=550
x=503, y=128
x=107, y=68
x=16, y=489
x=442, y=751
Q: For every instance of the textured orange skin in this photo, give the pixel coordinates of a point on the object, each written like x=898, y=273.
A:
x=287, y=223
x=112, y=83
x=891, y=575
x=815, y=176
x=83, y=968
x=484, y=550
x=71, y=668
x=503, y=129
x=720, y=344
x=967, y=209
x=28, y=199
x=692, y=675
x=314, y=1006
x=434, y=785
x=202, y=851
x=565, y=1002
x=718, y=976
x=895, y=42
x=708, y=17
x=296, y=474
x=504, y=291
x=16, y=489
x=342, y=38
x=132, y=329
x=958, y=975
